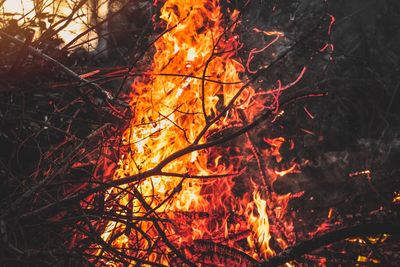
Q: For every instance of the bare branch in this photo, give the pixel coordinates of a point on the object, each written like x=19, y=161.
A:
x=67, y=70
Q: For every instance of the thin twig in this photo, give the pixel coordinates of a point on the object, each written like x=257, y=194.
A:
x=67, y=70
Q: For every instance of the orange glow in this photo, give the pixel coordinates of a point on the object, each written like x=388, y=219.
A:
x=359, y=173
x=170, y=113
x=396, y=198
x=260, y=223
x=292, y=169
x=330, y=213
x=276, y=144
x=365, y=259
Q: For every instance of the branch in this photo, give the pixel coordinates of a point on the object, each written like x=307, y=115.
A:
x=307, y=246
x=71, y=73
x=250, y=81
x=157, y=170
x=195, y=146
x=93, y=27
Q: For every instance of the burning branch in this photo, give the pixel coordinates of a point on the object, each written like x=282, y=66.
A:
x=305, y=247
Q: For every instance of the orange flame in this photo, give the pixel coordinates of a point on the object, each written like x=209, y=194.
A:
x=170, y=114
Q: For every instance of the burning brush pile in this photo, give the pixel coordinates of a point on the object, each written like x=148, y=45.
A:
x=193, y=150
x=176, y=178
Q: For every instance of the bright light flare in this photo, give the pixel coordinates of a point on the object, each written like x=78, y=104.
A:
x=27, y=10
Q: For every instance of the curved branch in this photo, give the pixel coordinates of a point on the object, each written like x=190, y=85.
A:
x=307, y=246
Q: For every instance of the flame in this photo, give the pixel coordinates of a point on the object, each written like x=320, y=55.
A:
x=260, y=223
x=396, y=198
x=170, y=113
x=364, y=259
x=372, y=239
x=292, y=169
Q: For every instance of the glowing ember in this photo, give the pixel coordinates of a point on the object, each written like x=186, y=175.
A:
x=372, y=239
x=364, y=259
x=396, y=198
x=360, y=173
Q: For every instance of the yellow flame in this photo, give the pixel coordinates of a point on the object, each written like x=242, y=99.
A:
x=168, y=117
